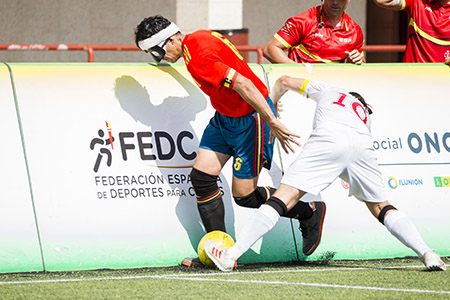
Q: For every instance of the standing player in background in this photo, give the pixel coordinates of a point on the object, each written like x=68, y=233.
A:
x=322, y=34
x=340, y=145
x=428, y=31
x=243, y=126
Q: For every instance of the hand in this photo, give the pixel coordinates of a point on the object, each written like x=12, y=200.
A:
x=279, y=108
x=447, y=61
x=277, y=104
x=278, y=130
x=354, y=57
x=275, y=96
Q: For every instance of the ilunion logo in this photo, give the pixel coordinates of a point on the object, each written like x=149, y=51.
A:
x=392, y=182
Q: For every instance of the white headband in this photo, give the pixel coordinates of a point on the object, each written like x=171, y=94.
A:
x=158, y=37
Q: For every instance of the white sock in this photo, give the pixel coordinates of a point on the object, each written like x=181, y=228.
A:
x=401, y=226
x=262, y=221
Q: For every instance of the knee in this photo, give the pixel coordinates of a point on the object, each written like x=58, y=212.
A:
x=278, y=205
x=199, y=178
x=255, y=199
x=205, y=186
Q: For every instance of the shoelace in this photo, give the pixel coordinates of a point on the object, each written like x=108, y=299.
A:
x=305, y=231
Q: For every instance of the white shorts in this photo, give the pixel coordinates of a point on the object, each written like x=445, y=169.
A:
x=337, y=151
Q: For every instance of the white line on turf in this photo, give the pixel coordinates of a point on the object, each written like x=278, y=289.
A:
x=196, y=277
x=203, y=274
x=316, y=285
x=200, y=274
x=295, y=271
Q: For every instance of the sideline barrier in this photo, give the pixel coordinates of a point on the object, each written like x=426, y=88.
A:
x=109, y=149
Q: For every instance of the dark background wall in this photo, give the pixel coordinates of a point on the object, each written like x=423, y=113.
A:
x=75, y=22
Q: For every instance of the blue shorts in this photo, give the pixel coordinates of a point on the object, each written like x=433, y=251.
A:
x=245, y=138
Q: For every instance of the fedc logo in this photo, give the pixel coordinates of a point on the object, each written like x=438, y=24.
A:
x=152, y=146
x=104, y=150
x=442, y=181
x=157, y=150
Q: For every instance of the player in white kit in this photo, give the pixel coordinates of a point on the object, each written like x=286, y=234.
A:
x=340, y=145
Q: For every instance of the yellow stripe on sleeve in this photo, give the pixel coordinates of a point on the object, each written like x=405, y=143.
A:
x=282, y=41
x=303, y=87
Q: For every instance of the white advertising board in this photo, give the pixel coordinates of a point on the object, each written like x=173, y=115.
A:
x=110, y=151
x=411, y=134
x=109, y=147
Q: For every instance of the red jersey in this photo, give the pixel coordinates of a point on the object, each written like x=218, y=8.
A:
x=428, y=31
x=310, y=38
x=214, y=63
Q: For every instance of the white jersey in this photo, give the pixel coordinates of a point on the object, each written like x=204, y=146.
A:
x=336, y=105
x=340, y=145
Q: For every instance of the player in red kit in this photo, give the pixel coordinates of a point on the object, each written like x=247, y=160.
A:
x=243, y=126
x=428, y=31
x=213, y=64
x=322, y=34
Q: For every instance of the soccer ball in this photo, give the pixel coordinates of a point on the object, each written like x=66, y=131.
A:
x=221, y=238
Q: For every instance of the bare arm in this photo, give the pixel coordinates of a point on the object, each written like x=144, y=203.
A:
x=252, y=96
x=284, y=84
x=390, y=4
x=274, y=52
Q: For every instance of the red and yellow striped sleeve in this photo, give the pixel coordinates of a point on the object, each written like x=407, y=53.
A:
x=230, y=78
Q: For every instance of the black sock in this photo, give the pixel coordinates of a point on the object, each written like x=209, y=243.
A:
x=209, y=200
x=212, y=214
x=301, y=211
